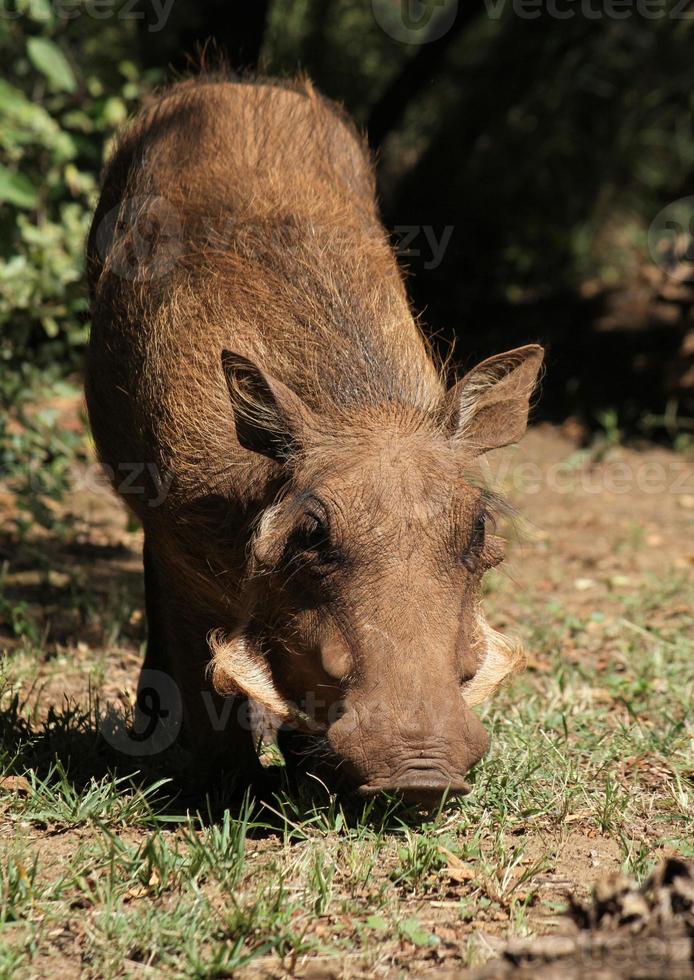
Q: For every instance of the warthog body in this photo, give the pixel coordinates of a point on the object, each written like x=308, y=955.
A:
x=263, y=400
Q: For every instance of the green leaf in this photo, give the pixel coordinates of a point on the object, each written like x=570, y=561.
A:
x=114, y=111
x=411, y=930
x=377, y=922
x=9, y=96
x=52, y=63
x=40, y=11
x=17, y=189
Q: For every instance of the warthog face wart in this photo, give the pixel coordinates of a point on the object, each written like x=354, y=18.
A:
x=366, y=574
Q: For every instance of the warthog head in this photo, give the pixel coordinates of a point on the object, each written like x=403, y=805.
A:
x=365, y=575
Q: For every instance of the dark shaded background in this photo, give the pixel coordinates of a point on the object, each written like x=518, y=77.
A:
x=543, y=147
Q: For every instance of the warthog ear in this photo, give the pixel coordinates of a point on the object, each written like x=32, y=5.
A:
x=270, y=419
x=488, y=407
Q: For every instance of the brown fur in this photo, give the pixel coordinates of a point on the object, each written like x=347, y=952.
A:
x=253, y=347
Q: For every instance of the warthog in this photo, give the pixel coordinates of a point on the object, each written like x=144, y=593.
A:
x=262, y=398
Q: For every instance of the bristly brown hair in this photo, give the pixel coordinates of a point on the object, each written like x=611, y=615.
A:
x=252, y=344
x=288, y=215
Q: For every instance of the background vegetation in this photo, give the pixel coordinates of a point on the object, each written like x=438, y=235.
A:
x=546, y=146
x=535, y=153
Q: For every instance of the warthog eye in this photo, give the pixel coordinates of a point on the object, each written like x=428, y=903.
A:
x=475, y=544
x=310, y=542
x=311, y=534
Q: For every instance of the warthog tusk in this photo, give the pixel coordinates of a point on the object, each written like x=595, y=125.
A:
x=502, y=658
x=238, y=667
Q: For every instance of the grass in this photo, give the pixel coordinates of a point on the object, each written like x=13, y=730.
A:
x=110, y=871
x=182, y=895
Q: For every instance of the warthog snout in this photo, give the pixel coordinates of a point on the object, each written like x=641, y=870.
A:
x=421, y=757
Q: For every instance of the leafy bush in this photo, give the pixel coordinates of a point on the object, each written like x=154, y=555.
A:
x=67, y=95
x=56, y=117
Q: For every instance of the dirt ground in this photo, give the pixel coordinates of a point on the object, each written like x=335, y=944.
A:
x=591, y=770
